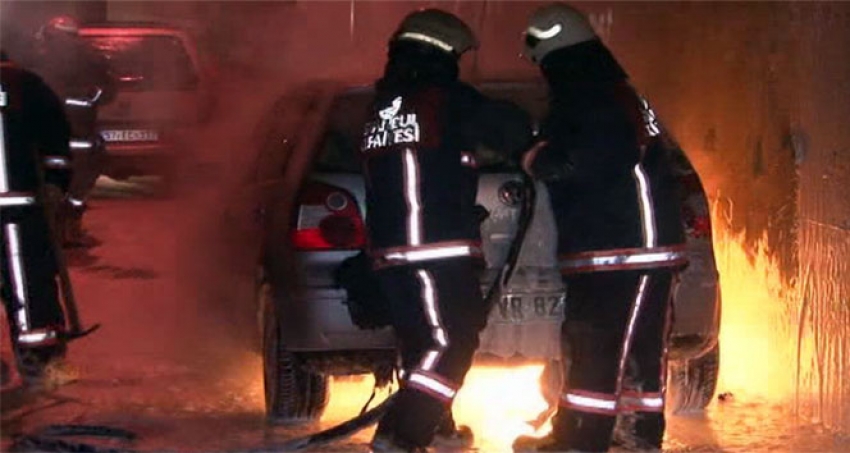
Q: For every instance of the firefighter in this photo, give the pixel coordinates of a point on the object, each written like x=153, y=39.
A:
x=620, y=236
x=419, y=156
x=34, y=152
x=82, y=78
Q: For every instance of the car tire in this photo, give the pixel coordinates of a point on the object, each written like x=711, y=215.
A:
x=262, y=302
x=692, y=383
x=293, y=393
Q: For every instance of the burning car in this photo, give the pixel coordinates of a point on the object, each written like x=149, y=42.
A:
x=305, y=201
x=163, y=93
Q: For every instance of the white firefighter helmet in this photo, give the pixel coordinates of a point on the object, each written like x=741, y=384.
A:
x=59, y=25
x=553, y=27
x=437, y=28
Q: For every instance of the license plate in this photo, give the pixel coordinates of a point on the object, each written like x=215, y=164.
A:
x=130, y=135
x=523, y=308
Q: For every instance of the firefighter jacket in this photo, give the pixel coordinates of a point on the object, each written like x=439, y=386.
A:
x=36, y=135
x=78, y=74
x=614, y=196
x=419, y=157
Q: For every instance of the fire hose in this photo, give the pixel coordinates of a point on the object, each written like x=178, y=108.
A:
x=49, y=439
x=369, y=417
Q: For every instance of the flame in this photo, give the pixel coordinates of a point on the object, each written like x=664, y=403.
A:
x=495, y=401
x=498, y=401
x=756, y=338
x=756, y=335
x=757, y=346
x=348, y=396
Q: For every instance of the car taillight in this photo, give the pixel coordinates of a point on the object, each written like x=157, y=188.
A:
x=327, y=218
x=700, y=227
x=697, y=222
x=695, y=210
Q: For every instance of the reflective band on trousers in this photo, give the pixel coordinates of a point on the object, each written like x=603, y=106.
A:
x=19, y=282
x=432, y=312
x=37, y=337
x=593, y=403
x=431, y=386
x=16, y=199
x=81, y=144
x=624, y=259
x=647, y=402
x=57, y=162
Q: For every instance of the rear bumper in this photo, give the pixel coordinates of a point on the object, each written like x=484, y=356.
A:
x=137, y=149
x=318, y=320
x=137, y=158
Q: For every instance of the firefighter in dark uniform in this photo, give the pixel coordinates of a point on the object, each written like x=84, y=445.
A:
x=419, y=160
x=34, y=151
x=621, y=238
x=83, y=79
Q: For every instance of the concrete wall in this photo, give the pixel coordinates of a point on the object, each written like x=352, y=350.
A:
x=823, y=31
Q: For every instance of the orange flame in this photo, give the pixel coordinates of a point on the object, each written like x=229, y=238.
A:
x=756, y=338
x=495, y=401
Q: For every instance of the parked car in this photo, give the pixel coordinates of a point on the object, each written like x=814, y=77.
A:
x=303, y=207
x=163, y=94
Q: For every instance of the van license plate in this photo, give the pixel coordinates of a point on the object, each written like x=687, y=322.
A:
x=130, y=135
x=524, y=308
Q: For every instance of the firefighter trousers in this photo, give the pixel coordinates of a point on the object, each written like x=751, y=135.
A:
x=614, y=338
x=438, y=312
x=29, y=285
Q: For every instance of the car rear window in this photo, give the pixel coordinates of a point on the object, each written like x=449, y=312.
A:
x=341, y=144
x=148, y=63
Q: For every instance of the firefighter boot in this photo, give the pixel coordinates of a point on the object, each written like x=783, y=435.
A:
x=572, y=431
x=556, y=440
x=386, y=442
x=34, y=362
x=640, y=431
x=450, y=436
x=75, y=235
x=69, y=221
x=404, y=427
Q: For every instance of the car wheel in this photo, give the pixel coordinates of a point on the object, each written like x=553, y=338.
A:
x=263, y=302
x=293, y=393
x=691, y=383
